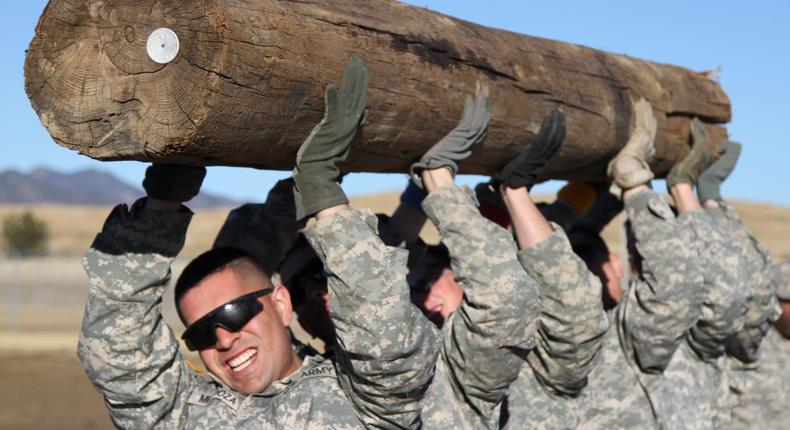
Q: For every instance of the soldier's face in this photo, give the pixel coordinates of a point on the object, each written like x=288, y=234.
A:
x=313, y=313
x=250, y=360
x=442, y=298
x=610, y=272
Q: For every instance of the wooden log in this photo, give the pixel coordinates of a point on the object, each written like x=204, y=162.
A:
x=246, y=86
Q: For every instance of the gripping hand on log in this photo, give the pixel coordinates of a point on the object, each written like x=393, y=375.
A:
x=316, y=174
x=710, y=180
x=523, y=171
x=689, y=168
x=169, y=185
x=457, y=145
x=630, y=168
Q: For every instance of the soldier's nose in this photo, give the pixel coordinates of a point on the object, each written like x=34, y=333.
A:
x=225, y=338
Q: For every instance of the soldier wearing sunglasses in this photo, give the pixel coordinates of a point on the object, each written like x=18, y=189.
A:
x=238, y=321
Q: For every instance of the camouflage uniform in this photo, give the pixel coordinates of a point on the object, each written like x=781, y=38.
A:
x=658, y=308
x=758, y=356
x=761, y=390
x=692, y=391
x=498, y=315
x=728, y=294
x=133, y=358
x=764, y=310
x=572, y=330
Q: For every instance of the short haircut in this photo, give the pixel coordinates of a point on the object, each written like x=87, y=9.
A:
x=214, y=261
x=427, y=269
x=300, y=261
x=588, y=245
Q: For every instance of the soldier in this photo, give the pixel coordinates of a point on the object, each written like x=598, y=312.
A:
x=572, y=322
x=757, y=354
x=761, y=389
x=484, y=302
x=238, y=320
x=270, y=233
x=745, y=345
x=693, y=391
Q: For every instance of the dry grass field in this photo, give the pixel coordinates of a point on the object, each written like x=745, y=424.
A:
x=41, y=301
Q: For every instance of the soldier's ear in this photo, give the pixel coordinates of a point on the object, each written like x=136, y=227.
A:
x=281, y=299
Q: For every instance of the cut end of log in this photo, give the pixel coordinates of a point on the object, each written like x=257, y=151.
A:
x=90, y=78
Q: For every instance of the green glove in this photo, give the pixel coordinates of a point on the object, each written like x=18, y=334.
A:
x=457, y=145
x=709, y=181
x=523, y=170
x=688, y=169
x=173, y=182
x=316, y=173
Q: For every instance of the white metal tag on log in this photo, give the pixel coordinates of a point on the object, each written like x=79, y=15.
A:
x=241, y=82
x=162, y=45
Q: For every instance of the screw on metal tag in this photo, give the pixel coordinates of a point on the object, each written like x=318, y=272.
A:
x=162, y=45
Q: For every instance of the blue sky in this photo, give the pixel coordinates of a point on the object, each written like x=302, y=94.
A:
x=747, y=40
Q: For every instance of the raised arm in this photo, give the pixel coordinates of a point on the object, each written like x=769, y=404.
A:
x=758, y=264
x=386, y=349
x=727, y=293
x=664, y=297
x=128, y=352
x=499, y=309
x=572, y=319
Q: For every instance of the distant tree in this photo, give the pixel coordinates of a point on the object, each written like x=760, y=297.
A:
x=24, y=234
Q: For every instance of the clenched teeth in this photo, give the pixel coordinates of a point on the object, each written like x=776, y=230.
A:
x=243, y=360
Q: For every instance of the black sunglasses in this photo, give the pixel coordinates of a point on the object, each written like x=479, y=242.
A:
x=231, y=316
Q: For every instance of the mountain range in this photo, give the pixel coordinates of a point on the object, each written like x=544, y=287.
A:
x=86, y=187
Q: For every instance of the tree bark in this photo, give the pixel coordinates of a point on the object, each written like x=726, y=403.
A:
x=246, y=86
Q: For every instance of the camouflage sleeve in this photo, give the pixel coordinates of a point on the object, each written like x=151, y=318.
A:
x=500, y=308
x=759, y=266
x=572, y=322
x=663, y=300
x=386, y=348
x=727, y=294
x=127, y=350
x=266, y=231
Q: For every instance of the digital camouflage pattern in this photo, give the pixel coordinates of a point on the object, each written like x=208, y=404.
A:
x=728, y=294
x=383, y=340
x=572, y=321
x=614, y=397
x=571, y=332
x=761, y=390
x=663, y=301
x=498, y=314
x=660, y=305
x=670, y=293
x=759, y=356
x=133, y=358
x=691, y=393
x=264, y=230
x=764, y=309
